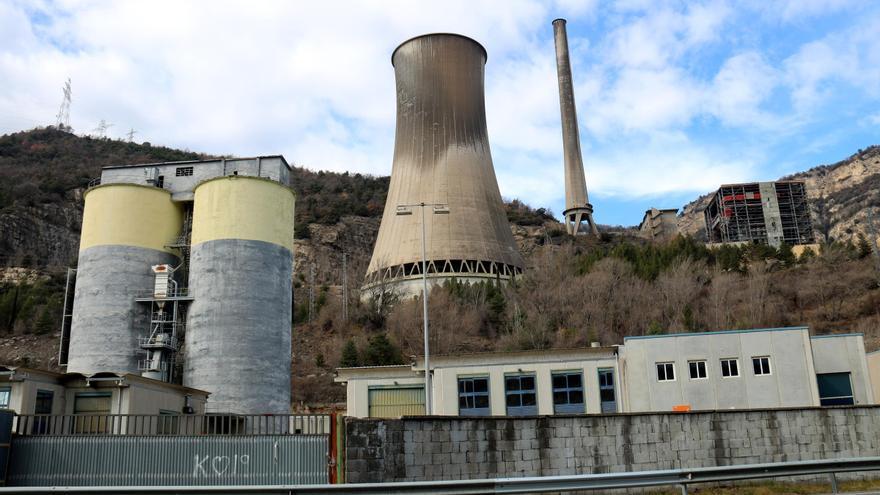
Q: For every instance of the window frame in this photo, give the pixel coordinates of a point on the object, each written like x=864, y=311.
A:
x=473, y=394
x=183, y=171
x=568, y=407
x=521, y=410
x=665, y=378
x=728, y=361
x=8, y=392
x=769, y=366
x=698, y=362
x=835, y=400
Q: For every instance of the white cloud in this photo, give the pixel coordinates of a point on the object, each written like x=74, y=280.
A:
x=314, y=81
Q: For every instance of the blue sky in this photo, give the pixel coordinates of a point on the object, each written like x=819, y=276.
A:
x=674, y=98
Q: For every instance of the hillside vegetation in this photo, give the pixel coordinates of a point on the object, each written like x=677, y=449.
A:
x=574, y=291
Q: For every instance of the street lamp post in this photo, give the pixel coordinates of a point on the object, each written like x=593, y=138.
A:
x=438, y=209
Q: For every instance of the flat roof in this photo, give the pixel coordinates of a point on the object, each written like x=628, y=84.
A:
x=716, y=332
x=829, y=335
x=187, y=162
x=760, y=181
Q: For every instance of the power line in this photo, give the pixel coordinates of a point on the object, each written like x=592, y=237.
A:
x=131, y=132
x=102, y=128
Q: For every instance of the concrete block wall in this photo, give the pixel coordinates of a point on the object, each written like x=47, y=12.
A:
x=446, y=448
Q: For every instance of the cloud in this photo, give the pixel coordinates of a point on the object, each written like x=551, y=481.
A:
x=668, y=93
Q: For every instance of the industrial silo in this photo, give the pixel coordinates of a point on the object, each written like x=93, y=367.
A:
x=239, y=323
x=442, y=177
x=126, y=228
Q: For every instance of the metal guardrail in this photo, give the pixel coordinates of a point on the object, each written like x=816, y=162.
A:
x=643, y=479
x=170, y=424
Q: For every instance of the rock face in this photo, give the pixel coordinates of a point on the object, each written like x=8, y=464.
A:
x=45, y=235
x=840, y=198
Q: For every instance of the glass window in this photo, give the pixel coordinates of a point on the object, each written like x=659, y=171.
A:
x=665, y=372
x=5, y=392
x=729, y=367
x=607, y=402
x=835, y=389
x=183, y=171
x=697, y=369
x=568, y=392
x=520, y=395
x=761, y=365
x=473, y=396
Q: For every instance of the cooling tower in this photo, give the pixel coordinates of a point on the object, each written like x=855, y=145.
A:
x=578, y=210
x=125, y=230
x=441, y=156
x=238, y=332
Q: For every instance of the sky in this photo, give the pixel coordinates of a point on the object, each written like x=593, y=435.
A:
x=674, y=98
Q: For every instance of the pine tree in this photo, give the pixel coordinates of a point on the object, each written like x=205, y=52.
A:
x=350, y=358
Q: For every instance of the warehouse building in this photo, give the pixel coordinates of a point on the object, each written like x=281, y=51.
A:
x=765, y=212
x=738, y=369
x=30, y=391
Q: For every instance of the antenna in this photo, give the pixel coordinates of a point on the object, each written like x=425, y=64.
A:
x=130, y=134
x=102, y=128
x=62, y=120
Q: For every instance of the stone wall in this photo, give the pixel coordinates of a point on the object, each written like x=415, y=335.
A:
x=439, y=448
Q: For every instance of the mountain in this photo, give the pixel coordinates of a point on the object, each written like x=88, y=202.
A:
x=841, y=195
x=574, y=291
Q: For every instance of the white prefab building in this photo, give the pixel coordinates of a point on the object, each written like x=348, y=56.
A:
x=739, y=369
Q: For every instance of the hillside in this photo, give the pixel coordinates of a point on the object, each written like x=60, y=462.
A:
x=575, y=291
x=840, y=196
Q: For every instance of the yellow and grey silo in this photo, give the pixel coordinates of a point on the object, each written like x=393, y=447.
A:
x=125, y=230
x=442, y=156
x=239, y=323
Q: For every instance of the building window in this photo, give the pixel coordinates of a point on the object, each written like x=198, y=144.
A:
x=607, y=401
x=568, y=393
x=473, y=396
x=761, y=365
x=183, y=171
x=521, y=397
x=835, y=389
x=697, y=369
x=393, y=402
x=5, y=392
x=729, y=367
x=665, y=372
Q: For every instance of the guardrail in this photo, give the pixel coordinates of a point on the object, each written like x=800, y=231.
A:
x=170, y=424
x=643, y=479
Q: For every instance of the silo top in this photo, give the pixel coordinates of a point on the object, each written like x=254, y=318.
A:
x=482, y=48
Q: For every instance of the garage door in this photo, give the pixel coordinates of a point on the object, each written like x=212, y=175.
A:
x=393, y=402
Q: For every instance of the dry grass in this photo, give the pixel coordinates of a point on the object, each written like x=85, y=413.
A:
x=781, y=488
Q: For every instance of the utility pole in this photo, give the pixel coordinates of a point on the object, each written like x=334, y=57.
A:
x=62, y=120
x=344, y=286
x=875, y=249
x=311, y=292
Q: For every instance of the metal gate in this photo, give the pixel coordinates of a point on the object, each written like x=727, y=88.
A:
x=130, y=450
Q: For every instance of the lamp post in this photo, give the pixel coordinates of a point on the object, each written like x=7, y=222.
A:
x=437, y=209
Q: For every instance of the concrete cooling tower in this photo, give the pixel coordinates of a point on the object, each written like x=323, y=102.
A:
x=442, y=161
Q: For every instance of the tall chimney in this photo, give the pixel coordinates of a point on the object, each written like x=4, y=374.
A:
x=578, y=210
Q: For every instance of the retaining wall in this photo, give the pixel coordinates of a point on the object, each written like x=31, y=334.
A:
x=440, y=448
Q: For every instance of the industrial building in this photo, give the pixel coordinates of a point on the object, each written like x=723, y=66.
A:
x=766, y=212
x=737, y=369
x=443, y=204
x=197, y=252
x=30, y=391
x=578, y=213
x=659, y=225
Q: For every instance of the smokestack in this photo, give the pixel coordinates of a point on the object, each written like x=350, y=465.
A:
x=441, y=160
x=578, y=210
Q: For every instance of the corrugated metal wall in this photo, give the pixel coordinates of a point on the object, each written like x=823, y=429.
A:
x=395, y=402
x=182, y=460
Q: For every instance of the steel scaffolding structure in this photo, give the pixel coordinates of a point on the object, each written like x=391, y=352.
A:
x=766, y=212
